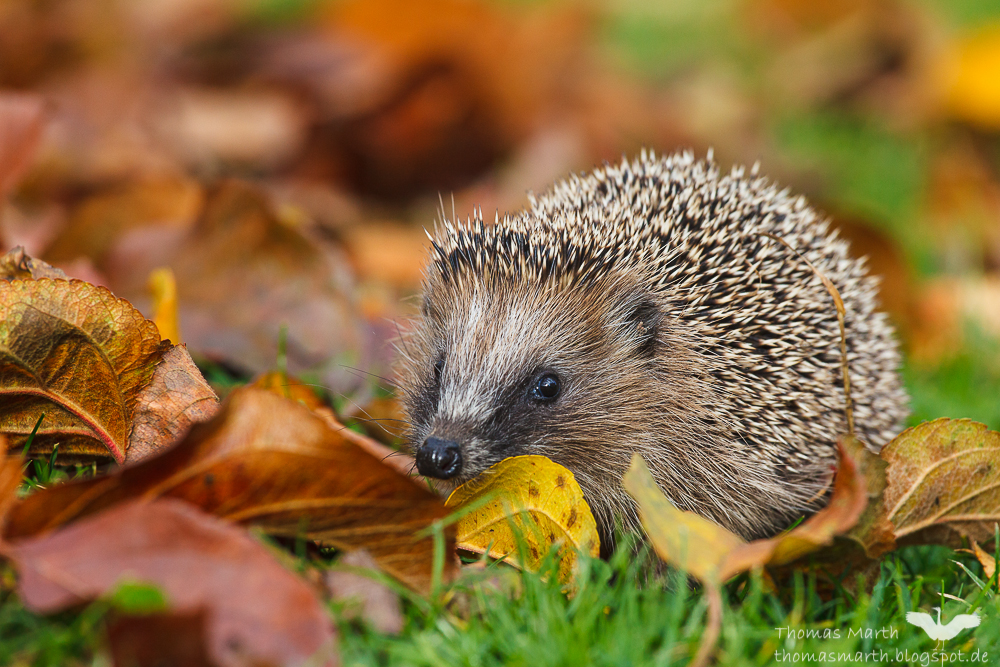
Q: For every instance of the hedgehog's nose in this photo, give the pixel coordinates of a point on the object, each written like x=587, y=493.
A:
x=439, y=458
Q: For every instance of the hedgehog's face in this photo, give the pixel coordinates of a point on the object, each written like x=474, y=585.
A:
x=526, y=369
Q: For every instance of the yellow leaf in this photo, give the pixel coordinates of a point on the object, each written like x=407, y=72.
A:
x=543, y=502
x=712, y=554
x=970, y=75
x=685, y=540
x=163, y=287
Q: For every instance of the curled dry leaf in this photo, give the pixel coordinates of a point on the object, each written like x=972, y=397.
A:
x=267, y=461
x=987, y=560
x=293, y=388
x=174, y=400
x=713, y=554
x=17, y=265
x=95, y=367
x=78, y=354
x=543, y=501
x=257, y=611
x=943, y=482
x=869, y=532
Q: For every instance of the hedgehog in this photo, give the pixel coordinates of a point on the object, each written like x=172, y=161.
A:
x=657, y=307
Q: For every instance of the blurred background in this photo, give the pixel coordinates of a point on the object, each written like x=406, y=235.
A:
x=283, y=157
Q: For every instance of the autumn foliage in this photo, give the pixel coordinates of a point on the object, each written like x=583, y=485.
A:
x=205, y=182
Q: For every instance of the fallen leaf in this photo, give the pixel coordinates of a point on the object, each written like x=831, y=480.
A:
x=943, y=482
x=267, y=461
x=293, y=388
x=969, y=72
x=78, y=354
x=712, y=554
x=685, y=540
x=987, y=560
x=869, y=531
x=378, y=605
x=289, y=387
x=174, y=400
x=163, y=287
x=21, y=124
x=99, y=222
x=543, y=501
x=17, y=265
x=160, y=640
x=244, y=272
x=257, y=611
x=11, y=473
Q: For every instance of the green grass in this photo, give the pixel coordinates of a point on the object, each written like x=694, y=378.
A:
x=620, y=614
x=966, y=385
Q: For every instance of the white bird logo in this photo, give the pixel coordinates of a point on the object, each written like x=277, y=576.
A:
x=939, y=632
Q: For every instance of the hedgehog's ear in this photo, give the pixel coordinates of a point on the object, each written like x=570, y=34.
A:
x=644, y=321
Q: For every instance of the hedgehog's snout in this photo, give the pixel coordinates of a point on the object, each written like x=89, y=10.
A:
x=439, y=458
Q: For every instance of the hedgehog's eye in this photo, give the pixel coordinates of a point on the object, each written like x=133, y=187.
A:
x=546, y=388
x=438, y=368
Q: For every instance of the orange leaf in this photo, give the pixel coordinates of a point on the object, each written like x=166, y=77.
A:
x=269, y=462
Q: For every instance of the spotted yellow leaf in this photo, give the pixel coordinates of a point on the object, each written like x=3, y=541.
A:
x=535, y=497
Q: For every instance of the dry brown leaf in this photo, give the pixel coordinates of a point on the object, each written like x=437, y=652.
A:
x=103, y=220
x=154, y=640
x=11, y=473
x=78, y=354
x=869, y=530
x=174, y=400
x=713, y=554
x=987, y=560
x=21, y=124
x=17, y=265
x=244, y=272
x=258, y=612
x=543, y=501
x=293, y=388
x=270, y=462
x=943, y=482
x=95, y=367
